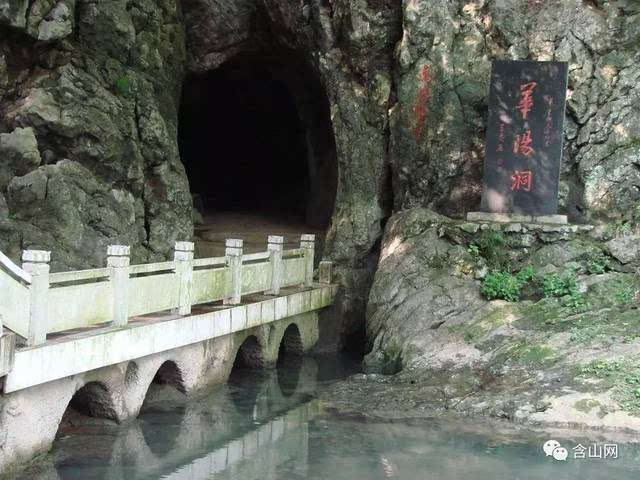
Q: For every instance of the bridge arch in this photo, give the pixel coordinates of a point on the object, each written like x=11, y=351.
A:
x=249, y=356
x=291, y=345
x=93, y=399
x=169, y=374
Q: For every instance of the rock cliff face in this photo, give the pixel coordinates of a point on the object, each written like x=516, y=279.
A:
x=562, y=351
x=88, y=102
x=442, y=71
x=89, y=95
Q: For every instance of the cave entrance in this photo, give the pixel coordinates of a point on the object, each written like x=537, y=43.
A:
x=256, y=139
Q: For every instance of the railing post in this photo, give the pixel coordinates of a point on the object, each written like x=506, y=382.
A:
x=325, y=272
x=233, y=253
x=7, y=350
x=275, y=246
x=118, y=262
x=36, y=263
x=307, y=243
x=183, y=256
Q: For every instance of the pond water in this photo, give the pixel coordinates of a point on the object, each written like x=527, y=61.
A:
x=271, y=425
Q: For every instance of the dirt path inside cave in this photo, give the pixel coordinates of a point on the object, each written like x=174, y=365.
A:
x=253, y=229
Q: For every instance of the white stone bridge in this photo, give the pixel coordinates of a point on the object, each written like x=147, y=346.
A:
x=104, y=335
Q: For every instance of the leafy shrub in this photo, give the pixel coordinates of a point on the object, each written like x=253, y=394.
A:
x=577, y=302
x=557, y=285
x=501, y=285
x=526, y=275
x=601, y=368
x=474, y=250
x=597, y=263
x=506, y=286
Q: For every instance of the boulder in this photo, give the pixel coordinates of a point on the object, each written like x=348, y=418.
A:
x=422, y=288
x=626, y=249
x=19, y=152
x=56, y=23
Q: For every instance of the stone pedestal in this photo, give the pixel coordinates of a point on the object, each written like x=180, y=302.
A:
x=516, y=218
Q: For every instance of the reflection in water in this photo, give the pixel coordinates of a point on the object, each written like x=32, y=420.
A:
x=289, y=375
x=290, y=360
x=161, y=427
x=251, y=430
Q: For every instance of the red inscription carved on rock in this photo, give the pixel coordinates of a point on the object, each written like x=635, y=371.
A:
x=421, y=108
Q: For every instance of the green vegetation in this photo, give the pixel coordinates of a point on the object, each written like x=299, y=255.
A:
x=502, y=286
x=559, y=285
x=600, y=368
x=493, y=247
x=625, y=294
x=623, y=376
x=564, y=285
x=586, y=334
x=627, y=226
x=507, y=286
x=123, y=85
x=522, y=352
x=597, y=263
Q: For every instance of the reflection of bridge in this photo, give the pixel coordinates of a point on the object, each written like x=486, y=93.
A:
x=107, y=332
x=257, y=454
x=211, y=435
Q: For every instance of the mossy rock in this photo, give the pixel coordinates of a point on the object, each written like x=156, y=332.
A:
x=499, y=316
x=561, y=253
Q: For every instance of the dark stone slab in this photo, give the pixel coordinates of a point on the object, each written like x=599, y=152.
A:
x=524, y=137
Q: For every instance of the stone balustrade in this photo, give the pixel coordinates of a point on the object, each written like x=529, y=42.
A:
x=35, y=302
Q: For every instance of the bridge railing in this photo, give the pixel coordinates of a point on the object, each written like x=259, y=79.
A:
x=34, y=302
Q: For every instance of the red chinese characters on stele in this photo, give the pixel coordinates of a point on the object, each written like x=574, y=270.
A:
x=522, y=144
x=526, y=98
x=522, y=180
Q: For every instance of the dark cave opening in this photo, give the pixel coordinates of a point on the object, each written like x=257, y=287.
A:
x=255, y=136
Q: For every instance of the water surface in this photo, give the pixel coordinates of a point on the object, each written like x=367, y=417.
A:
x=270, y=425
